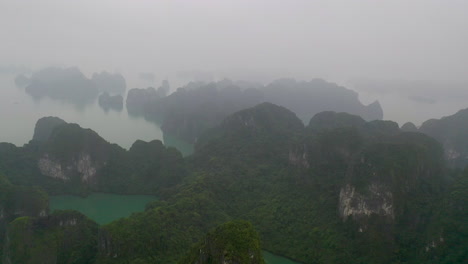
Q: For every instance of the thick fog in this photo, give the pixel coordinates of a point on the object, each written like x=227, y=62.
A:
x=374, y=47
x=336, y=40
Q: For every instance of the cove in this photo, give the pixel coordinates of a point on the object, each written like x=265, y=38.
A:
x=105, y=208
x=102, y=207
x=274, y=259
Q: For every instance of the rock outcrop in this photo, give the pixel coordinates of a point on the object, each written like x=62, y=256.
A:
x=83, y=165
x=378, y=200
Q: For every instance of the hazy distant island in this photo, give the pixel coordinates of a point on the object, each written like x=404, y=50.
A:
x=21, y=80
x=420, y=91
x=422, y=100
x=337, y=190
x=110, y=83
x=198, y=106
x=114, y=102
x=70, y=84
x=139, y=99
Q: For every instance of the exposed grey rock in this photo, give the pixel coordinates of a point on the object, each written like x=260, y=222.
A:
x=82, y=165
x=377, y=201
x=51, y=168
x=298, y=157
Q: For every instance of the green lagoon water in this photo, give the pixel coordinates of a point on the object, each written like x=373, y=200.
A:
x=102, y=207
x=105, y=208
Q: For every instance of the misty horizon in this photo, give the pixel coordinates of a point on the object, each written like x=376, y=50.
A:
x=233, y=131
x=333, y=40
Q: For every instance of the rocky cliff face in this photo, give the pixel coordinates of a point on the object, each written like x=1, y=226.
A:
x=298, y=157
x=83, y=166
x=74, y=156
x=378, y=200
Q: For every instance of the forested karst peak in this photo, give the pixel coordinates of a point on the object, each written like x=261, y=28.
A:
x=191, y=110
x=452, y=133
x=233, y=242
x=366, y=191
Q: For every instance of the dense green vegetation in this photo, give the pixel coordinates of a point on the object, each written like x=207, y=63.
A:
x=62, y=237
x=263, y=166
x=231, y=242
x=191, y=110
x=451, y=131
x=18, y=201
x=340, y=190
x=66, y=158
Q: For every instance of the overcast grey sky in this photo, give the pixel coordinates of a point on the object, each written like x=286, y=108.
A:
x=336, y=40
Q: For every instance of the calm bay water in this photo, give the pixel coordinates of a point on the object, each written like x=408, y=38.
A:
x=19, y=113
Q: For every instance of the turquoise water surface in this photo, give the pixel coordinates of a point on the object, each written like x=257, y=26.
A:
x=102, y=207
x=105, y=208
